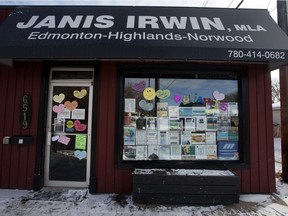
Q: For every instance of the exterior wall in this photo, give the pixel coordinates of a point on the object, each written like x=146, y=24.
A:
x=260, y=178
x=17, y=162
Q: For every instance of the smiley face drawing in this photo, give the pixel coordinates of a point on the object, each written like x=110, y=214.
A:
x=149, y=93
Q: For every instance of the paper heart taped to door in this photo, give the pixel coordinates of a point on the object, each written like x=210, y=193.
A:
x=78, y=126
x=58, y=108
x=71, y=105
x=59, y=98
x=80, y=154
x=80, y=94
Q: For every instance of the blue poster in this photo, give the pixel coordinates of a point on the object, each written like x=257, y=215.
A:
x=228, y=150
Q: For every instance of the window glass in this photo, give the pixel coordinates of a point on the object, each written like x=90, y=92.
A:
x=180, y=119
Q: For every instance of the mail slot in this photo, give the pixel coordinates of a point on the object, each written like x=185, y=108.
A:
x=21, y=140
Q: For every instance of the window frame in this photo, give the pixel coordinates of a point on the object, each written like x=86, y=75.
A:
x=185, y=71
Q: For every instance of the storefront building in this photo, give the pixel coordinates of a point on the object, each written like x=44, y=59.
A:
x=90, y=93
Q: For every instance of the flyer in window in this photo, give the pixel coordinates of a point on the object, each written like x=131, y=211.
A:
x=198, y=138
x=130, y=104
x=152, y=137
x=174, y=124
x=175, y=152
x=211, y=151
x=162, y=109
x=188, y=152
x=185, y=111
x=129, y=136
x=141, y=152
x=174, y=137
x=163, y=138
x=201, y=123
x=198, y=111
x=222, y=133
x=151, y=123
x=164, y=152
x=212, y=123
x=186, y=137
x=140, y=137
x=233, y=134
x=233, y=109
x=224, y=120
x=173, y=112
x=210, y=137
x=163, y=123
x=129, y=152
x=200, y=152
x=190, y=124
x=153, y=152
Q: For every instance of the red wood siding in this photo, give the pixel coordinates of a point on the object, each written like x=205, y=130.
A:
x=260, y=178
x=109, y=179
x=17, y=162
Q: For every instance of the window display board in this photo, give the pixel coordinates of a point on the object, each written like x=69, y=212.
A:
x=182, y=119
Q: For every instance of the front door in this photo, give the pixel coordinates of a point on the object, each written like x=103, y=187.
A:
x=67, y=152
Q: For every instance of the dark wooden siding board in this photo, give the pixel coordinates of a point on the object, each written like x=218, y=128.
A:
x=15, y=150
x=262, y=143
x=9, y=119
x=4, y=75
x=111, y=90
x=269, y=132
x=254, y=160
x=102, y=127
x=34, y=123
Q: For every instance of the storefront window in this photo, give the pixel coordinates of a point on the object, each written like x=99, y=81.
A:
x=170, y=118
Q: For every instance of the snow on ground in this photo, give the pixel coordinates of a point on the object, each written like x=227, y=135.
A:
x=79, y=202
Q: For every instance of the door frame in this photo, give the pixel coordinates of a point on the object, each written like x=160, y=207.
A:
x=47, y=144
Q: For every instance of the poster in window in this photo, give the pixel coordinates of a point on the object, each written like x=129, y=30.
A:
x=233, y=109
x=59, y=125
x=140, y=137
x=129, y=152
x=176, y=152
x=185, y=137
x=152, y=137
x=228, y=150
x=162, y=109
x=65, y=114
x=129, y=136
x=200, y=152
x=78, y=114
x=222, y=133
x=151, y=123
x=163, y=138
x=164, y=152
x=141, y=152
x=130, y=104
x=198, y=138
x=211, y=151
x=233, y=134
x=224, y=121
x=212, y=123
x=174, y=124
x=163, y=123
x=153, y=152
x=198, y=111
x=190, y=124
x=174, y=138
x=173, y=112
x=201, y=123
x=211, y=137
x=185, y=111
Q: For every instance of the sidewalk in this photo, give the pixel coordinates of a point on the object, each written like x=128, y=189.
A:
x=80, y=202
